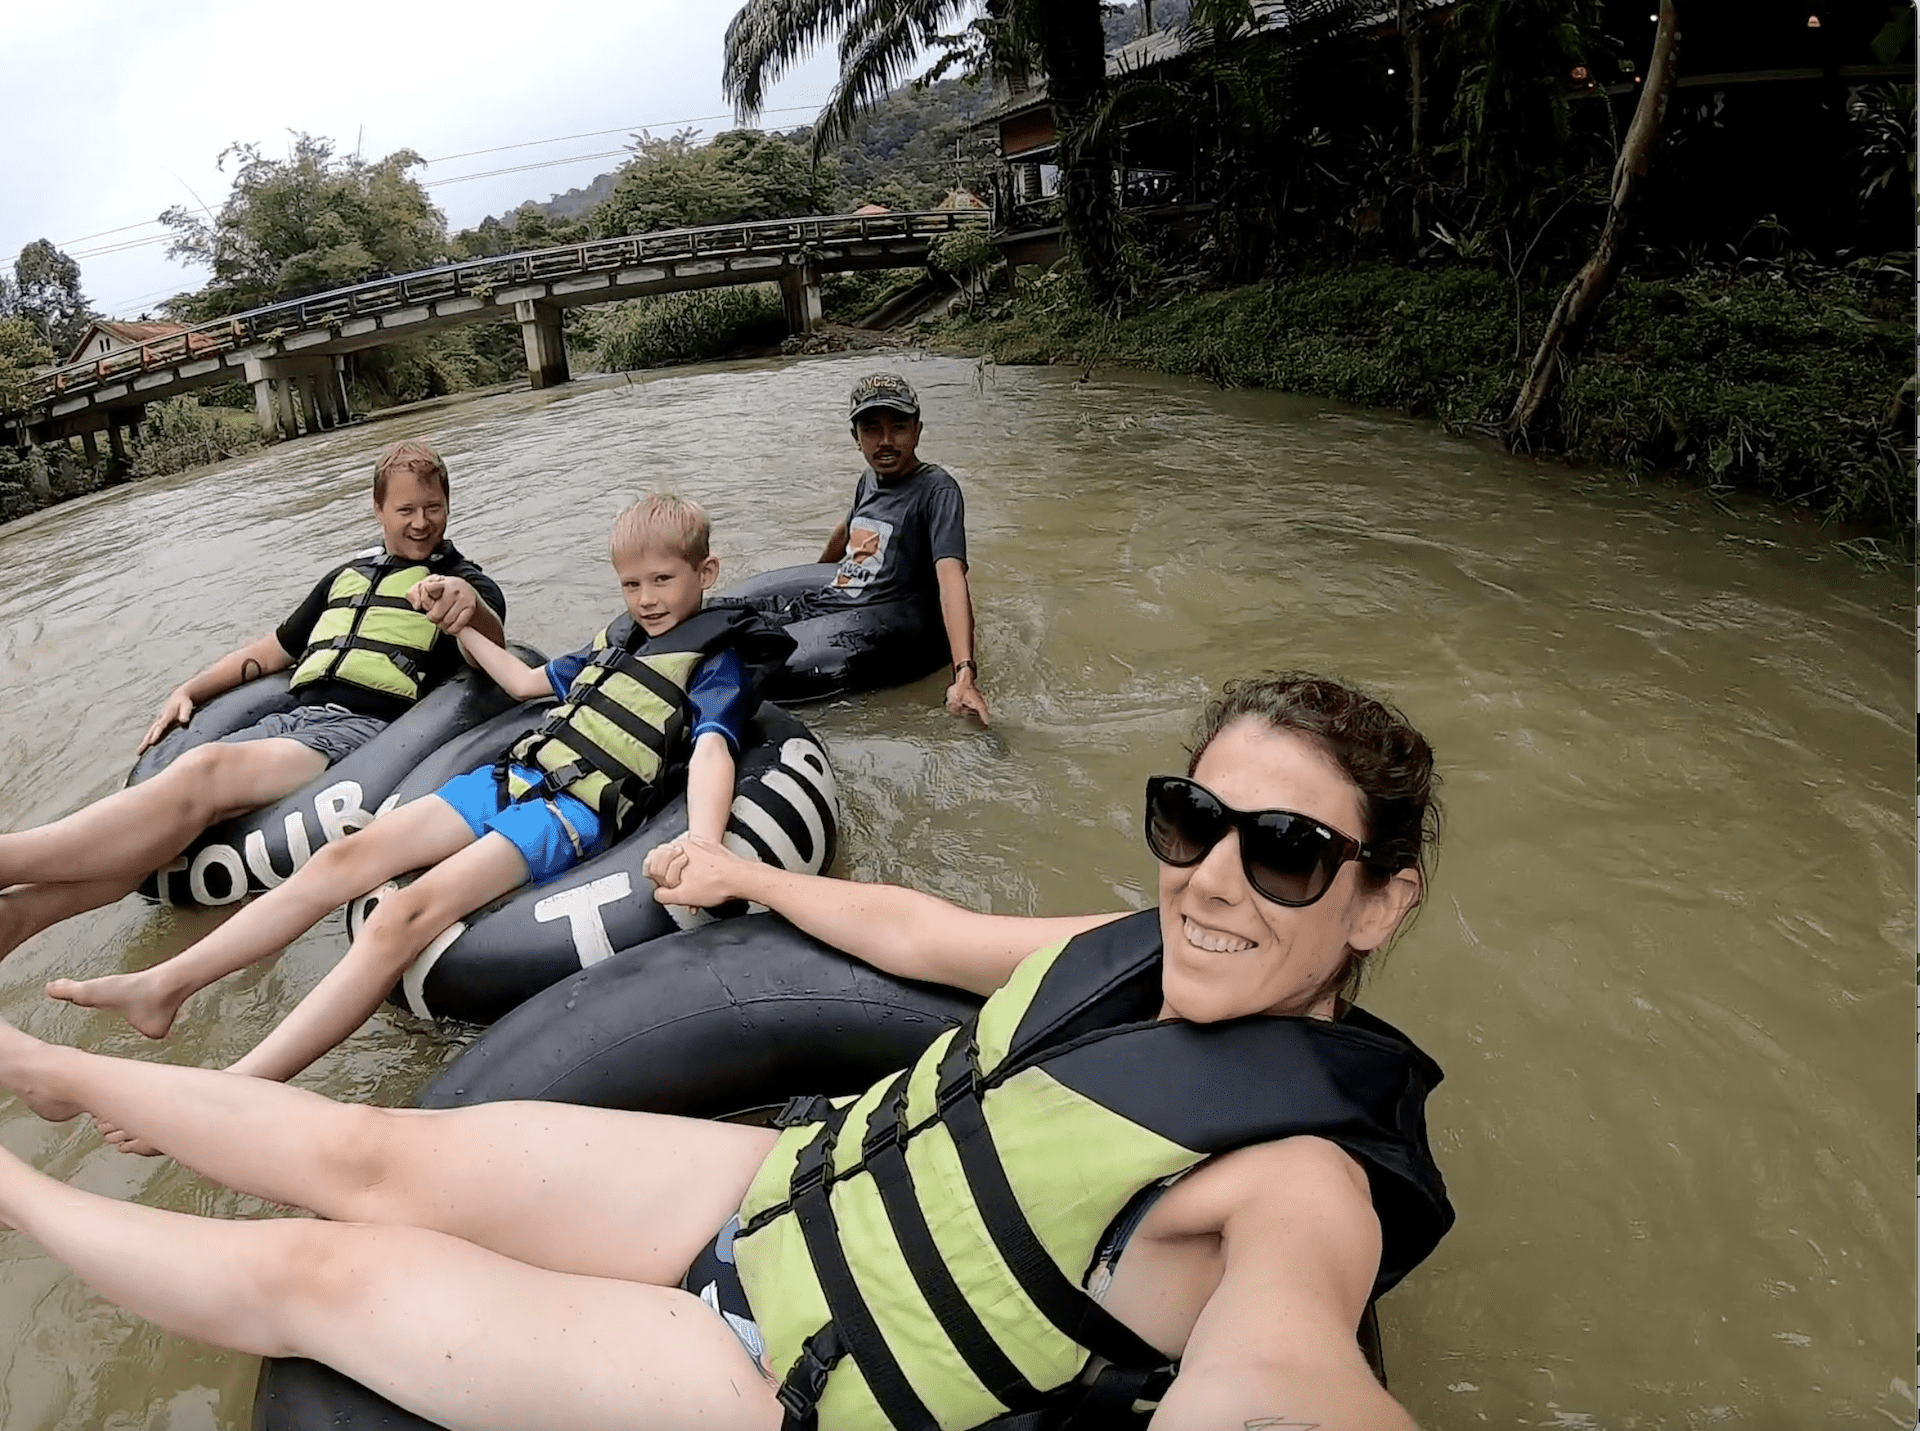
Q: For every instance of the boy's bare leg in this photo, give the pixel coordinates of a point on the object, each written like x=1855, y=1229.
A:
x=467, y=1337
x=591, y=1190
x=405, y=838
x=136, y=830
x=403, y=924
x=26, y=909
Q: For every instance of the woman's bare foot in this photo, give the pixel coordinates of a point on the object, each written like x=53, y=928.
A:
x=26, y=1067
x=138, y=998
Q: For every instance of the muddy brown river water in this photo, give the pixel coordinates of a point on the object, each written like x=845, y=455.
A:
x=1668, y=961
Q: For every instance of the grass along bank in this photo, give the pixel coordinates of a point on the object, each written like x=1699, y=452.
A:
x=1794, y=383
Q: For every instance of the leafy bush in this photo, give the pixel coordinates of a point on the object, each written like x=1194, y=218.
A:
x=681, y=327
x=1795, y=383
x=179, y=433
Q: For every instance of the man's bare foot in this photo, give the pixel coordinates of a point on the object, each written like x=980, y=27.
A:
x=135, y=997
x=24, y=1068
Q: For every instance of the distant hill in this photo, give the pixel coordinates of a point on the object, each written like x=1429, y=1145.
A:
x=902, y=153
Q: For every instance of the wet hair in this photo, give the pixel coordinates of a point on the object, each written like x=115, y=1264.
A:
x=663, y=521
x=409, y=454
x=1373, y=745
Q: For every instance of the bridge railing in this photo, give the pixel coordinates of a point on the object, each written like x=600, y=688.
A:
x=483, y=277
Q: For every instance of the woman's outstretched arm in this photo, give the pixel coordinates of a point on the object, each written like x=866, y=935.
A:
x=905, y=932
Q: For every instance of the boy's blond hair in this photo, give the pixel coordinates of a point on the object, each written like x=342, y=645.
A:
x=663, y=521
x=409, y=454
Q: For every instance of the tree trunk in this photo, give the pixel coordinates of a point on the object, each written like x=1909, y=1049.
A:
x=1573, y=314
x=1409, y=24
x=1073, y=47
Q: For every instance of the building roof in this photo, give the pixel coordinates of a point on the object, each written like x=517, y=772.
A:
x=124, y=335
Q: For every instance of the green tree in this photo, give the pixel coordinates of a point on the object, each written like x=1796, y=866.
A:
x=22, y=350
x=46, y=292
x=312, y=221
x=526, y=229
x=742, y=175
x=882, y=40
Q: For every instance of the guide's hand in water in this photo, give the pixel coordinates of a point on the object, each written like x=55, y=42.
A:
x=448, y=601
x=691, y=871
x=176, y=709
x=965, y=698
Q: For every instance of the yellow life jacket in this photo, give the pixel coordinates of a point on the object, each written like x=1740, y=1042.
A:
x=624, y=720
x=914, y=1256
x=367, y=635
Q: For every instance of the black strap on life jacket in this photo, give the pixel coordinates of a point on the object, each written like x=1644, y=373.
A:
x=405, y=658
x=1077, y=1316
x=884, y=1152
x=851, y=1330
x=591, y=758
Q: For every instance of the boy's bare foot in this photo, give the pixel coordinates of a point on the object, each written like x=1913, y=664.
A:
x=116, y=1137
x=135, y=997
x=24, y=1062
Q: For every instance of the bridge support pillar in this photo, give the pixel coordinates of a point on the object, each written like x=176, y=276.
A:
x=282, y=387
x=90, y=447
x=546, y=343
x=800, y=296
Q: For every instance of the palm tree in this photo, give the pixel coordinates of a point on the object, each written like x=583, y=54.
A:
x=880, y=41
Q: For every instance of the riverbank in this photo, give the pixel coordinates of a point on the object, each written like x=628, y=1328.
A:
x=1793, y=384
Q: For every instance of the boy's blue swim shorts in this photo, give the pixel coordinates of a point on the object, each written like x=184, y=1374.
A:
x=552, y=834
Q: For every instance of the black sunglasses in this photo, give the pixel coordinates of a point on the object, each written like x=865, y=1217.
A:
x=1289, y=858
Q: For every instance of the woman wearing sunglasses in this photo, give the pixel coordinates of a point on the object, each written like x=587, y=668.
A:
x=1163, y=1171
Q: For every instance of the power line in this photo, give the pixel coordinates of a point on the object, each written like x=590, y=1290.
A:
x=66, y=244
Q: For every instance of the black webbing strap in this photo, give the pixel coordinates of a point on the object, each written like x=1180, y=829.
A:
x=405, y=658
x=596, y=699
x=1107, y=1404
x=1068, y=1307
x=884, y=1151
x=853, y=1327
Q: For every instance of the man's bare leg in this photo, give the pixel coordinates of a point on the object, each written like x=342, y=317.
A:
x=420, y=833
x=590, y=1190
x=27, y=909
x=136, y=830
x=469, y=1338
x=403, y=924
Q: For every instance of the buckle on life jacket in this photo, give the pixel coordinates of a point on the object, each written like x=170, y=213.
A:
x=810, y=1167
x=806, y=1380
x=959, y=1085
x=803, y=1108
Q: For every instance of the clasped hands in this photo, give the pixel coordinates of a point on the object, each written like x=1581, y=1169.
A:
x=691, y=871
x=449, y=602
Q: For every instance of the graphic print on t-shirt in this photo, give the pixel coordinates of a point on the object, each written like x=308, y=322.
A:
x=866, y=558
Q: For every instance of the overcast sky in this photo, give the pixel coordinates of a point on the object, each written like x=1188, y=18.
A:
x=112, y=112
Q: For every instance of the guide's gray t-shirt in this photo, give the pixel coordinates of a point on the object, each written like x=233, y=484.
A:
x=896, y=531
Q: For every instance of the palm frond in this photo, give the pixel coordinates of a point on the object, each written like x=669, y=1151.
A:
x=768, y=37
x=877, y=52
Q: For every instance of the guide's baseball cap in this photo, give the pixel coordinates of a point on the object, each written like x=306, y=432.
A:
x=887, y=390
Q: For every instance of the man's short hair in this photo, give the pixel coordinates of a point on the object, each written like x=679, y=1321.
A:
x=409, y=454
x=664, y=521
x=883, y=390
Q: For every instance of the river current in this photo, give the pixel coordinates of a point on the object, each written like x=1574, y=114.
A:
x=1667, y=962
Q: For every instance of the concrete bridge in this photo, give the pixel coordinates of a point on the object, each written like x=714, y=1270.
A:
x=293, y=352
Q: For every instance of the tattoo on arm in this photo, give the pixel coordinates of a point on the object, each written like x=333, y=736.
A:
x=251, y=670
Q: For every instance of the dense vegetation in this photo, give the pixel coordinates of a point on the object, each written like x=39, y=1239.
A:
x=1383, y=213
x=1795, y=383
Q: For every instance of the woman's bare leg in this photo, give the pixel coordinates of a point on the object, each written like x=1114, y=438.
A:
x=590, y=1190
x=136, y=830
x=420, y=833
x=451, y=1331
x=403, y=924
